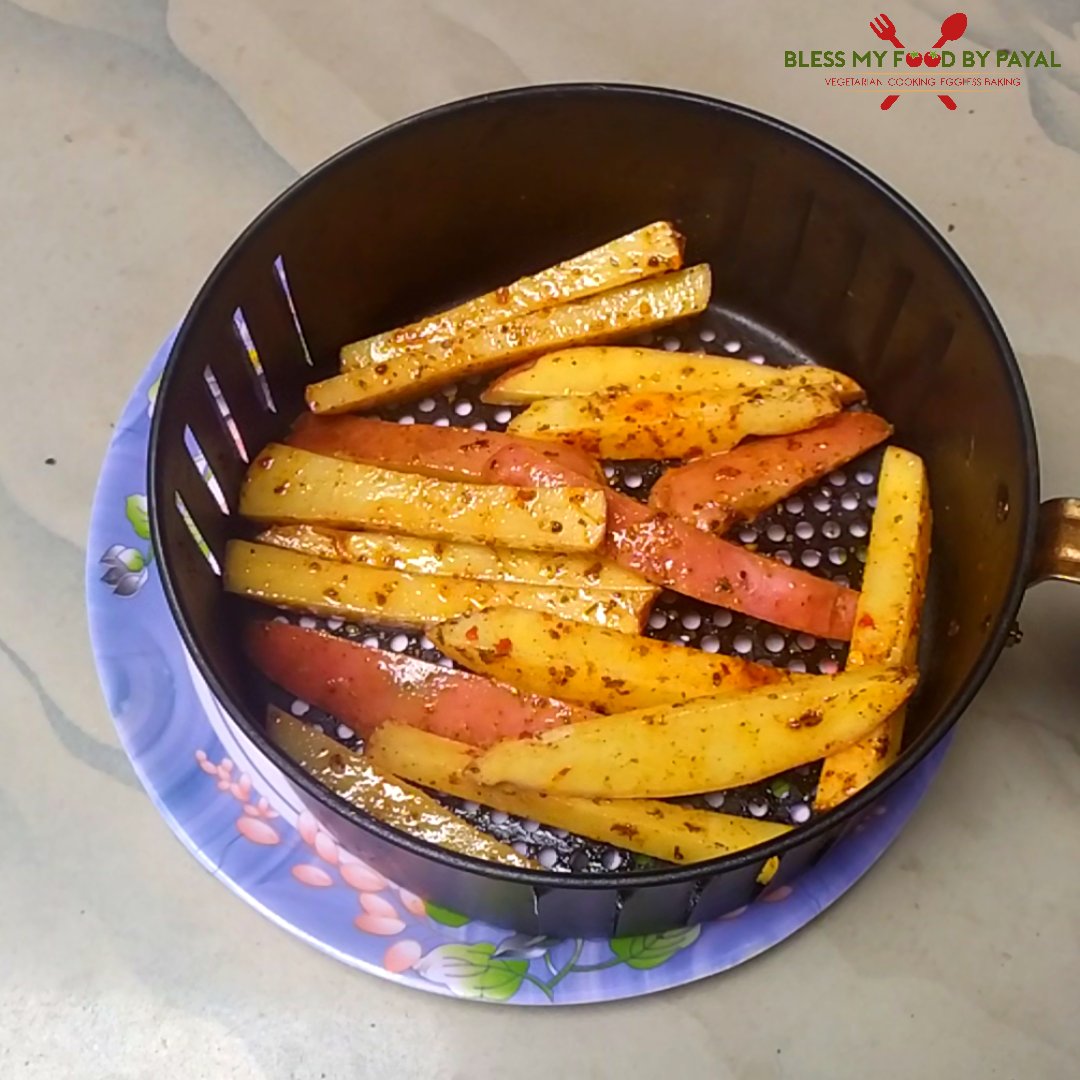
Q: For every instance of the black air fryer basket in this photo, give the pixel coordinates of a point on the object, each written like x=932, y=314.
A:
x=813, y=260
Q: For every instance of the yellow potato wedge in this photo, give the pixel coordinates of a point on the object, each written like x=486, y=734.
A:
x=676, y=834
x=607, y=671
x=643, y=253
x=887, y=615
x=384, y=797
x=660, y=425
x=291, y=486
x=290, y=579
x=607, y=369
x=445, y=558
x=628, y=309
x=704, y=745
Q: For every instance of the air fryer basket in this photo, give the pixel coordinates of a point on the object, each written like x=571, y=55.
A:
x=813, y=260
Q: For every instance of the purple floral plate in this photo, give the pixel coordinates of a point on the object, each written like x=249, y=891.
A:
x=244, y=822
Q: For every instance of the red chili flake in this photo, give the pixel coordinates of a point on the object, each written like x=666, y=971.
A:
x=472, y=633
x=867, y=620
x=503, y=647
x=810, y=718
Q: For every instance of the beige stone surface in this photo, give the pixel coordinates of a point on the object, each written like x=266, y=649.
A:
x=137, y=137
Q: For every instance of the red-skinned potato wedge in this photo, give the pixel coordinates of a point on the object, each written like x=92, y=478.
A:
x=676, y=555
x=662, y=425
x=362, y=687
x=384, y=796
x=888, y=615
x=444, y=453
x=599, y=369
x=645, y=252
x=714, y=492
x=628, y=309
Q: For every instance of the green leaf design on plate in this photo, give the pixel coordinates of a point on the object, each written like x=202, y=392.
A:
x=470, y=971
x=651, y=950
x=137, y=513
x=444, y=915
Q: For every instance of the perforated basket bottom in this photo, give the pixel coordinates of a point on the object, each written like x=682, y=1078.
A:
x=822, y=529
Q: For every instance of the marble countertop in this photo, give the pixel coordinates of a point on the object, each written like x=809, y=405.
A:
x=137, y=140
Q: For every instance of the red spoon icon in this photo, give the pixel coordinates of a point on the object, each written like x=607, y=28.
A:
x=952, y=29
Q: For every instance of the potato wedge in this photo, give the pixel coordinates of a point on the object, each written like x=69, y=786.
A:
x=445, y=558
x=887, y=616
x=385, y=798
x=602, y=369
x=363, y=687
x=704, y=745
x=643, y=253
x=445, y=453
x=628, y=309
x=714, y=492
x=290, y=486
x=659, y=425
x=676, y=834
x=299, y=582
x=603, y=670
x=678, y=556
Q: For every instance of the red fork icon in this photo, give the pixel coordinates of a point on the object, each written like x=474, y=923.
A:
x=884, y=29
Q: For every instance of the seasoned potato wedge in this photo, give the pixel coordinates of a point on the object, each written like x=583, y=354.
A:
x=676, y=555
x=887, y=615
x=628, y=309
x=676, y=834
x=363, y=687
x=385, y=798
x=290, y=579
x=604, y=670
x=444, y=558
x=605, y=369
x=659, y=425
x=291, y=486
x=704, y=745
x=643, y=253
x=716, y=491
x=445, y=453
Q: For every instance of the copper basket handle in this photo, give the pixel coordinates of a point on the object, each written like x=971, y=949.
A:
x=1057, y=542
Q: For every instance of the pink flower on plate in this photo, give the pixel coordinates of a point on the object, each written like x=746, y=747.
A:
x=326, y=848
x=412, y=903
x=374, y=924
x=307, y=827
x=373, y=904
x=256, y=830
x=315, y=876
x=402, y=955
x=361, y=877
